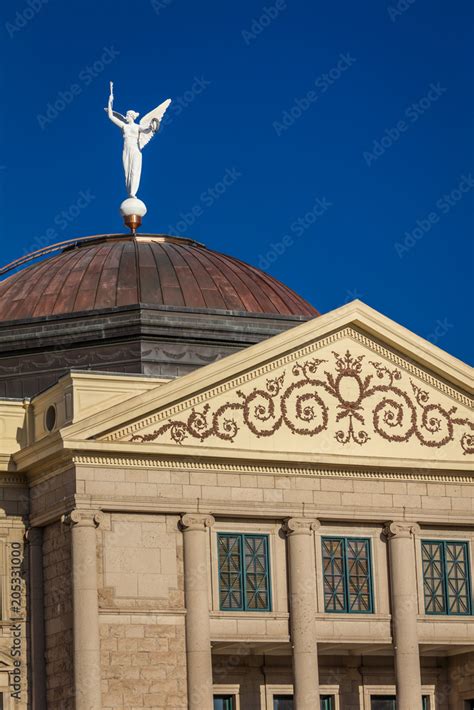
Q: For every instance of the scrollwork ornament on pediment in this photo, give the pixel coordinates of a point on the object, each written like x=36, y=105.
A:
x=397, y=529
x=365, y=401
x=83, y=518
x=196, y=521
x=300, y=526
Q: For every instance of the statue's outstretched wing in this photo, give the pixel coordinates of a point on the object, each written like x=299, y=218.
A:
x=117, y=115
x=151, y=123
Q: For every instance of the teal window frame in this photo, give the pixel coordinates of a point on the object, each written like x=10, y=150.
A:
x=244, y=573
x=346, y=576
x=443, y=579
x=227, y=699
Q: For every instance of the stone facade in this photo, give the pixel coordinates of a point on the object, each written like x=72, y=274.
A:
x=141, y=600
x=143, y=661
x=58, y=621
x=125, y=495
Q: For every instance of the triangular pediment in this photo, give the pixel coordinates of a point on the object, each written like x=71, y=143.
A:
x=340, y=388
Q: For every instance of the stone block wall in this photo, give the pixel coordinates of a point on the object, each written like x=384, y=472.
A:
x=58, y=617
x=460, y=680
x=143, y=662
x=140, y=562
x=141, y=597
x=54, y=489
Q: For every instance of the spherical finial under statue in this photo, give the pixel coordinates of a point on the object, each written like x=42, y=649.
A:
x=132, y=210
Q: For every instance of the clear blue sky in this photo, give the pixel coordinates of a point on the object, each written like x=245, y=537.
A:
x=345, y=131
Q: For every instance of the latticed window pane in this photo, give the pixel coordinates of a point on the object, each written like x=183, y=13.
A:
x=256, y=572
x=446, y=577
x=334, y=574
x=244, y=582
x=230, y=572
x=347, y=575
x=433, y=576
x=457, y=578
x=358, y=575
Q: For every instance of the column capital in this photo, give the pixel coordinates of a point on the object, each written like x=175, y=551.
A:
x=399, y=529
x=83, y=518
x=300, y=526
x=196, y=521
x=34, y=536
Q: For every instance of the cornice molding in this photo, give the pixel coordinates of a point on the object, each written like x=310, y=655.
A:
x=44, y=455
x=13, y=479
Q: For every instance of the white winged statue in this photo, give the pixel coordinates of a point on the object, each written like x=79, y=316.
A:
x=135, y=138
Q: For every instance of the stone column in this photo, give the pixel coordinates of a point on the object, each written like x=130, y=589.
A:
x=302, y=580
x=198, y=632
x=87, y=675
x=453, y=681
x=404, y=603
x=34, y=538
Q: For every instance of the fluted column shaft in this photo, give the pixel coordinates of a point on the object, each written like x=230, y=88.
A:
x=302, y=592
x=34, y=538
x=404, y=600
x=87, y=675
x=198, y=632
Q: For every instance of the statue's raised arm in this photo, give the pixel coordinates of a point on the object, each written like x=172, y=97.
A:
x=114, y=116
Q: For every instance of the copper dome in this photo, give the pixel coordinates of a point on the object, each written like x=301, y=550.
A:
x=110, y=271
